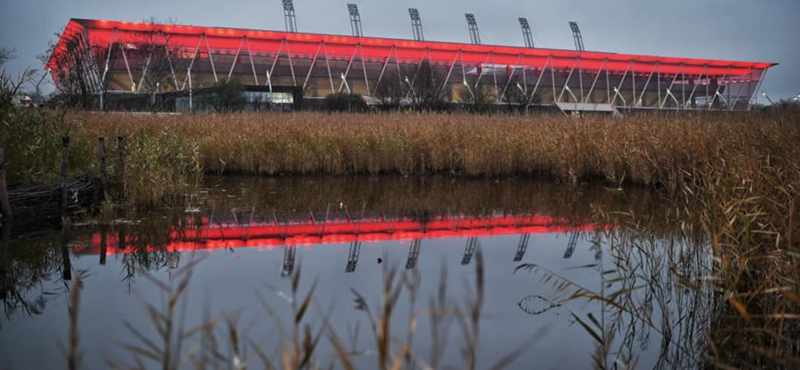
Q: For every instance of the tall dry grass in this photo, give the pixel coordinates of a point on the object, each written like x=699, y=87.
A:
x=165, y=152
x=646, y=150
x=737, y=178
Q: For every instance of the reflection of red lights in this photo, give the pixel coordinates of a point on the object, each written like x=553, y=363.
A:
x=269, y=236
x=440, y=53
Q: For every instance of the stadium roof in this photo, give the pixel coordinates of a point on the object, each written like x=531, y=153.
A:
x=226, y=40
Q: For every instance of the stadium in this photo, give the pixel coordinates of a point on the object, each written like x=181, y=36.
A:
x=117, y=62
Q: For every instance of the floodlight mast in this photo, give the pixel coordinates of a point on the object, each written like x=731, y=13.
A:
x=526, y=33
x=288, y=15
x=355, y=20
x=474, y=35
x=576, y=34
x=416, y=24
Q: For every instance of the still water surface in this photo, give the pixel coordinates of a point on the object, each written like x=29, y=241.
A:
x=567, y=278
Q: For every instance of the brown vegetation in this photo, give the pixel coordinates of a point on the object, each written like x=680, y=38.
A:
x=735, y=177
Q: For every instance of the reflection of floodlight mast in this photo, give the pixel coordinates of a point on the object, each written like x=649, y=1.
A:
x=522, y=247
x=526, y=32
x=288, y=15
x=416, y=24
x=289, y=253
x=413, y=254
x=469, y=250
x=355, y=20
x=352, y=256
x=474, y=35
x=573, y=241
x=576, y=35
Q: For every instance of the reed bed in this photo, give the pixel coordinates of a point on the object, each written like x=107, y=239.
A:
x=166, y=151
x=645, y=150
x=734, y=177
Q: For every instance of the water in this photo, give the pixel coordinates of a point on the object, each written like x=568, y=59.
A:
x=567, y=278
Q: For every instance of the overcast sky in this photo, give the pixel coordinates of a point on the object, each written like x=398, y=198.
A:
x=748, y=30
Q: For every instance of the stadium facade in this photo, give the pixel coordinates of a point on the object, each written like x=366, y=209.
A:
x=110, y=58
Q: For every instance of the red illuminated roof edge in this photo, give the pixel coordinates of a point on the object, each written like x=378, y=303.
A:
x=343, y=39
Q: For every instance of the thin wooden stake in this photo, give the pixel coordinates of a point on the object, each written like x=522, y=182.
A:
x=5, y=206
x=66, y=272
x=103, y=246
x=121, y=154
x=103, y=172
x=64, y=167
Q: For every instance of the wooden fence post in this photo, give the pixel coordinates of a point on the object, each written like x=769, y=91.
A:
x=66, y=263
x=64, y=167
x=5, y=230
x=5, y=207
x=103, y=172
x=103, y=247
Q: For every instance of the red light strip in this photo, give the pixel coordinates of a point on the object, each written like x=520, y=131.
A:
x=270, y=236
x=303, y=45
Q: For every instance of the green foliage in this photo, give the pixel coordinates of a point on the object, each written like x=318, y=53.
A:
x=226, y=96
x=159, y=166
x=33, y=146
x=32, y=137
x=477, y=99
x=346, y=102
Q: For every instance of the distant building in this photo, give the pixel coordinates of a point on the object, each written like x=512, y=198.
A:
x=21, y=100
x=139, y=59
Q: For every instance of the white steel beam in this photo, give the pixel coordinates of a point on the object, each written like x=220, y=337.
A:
x=236, y=58
x=147, y=64
x=211, y=58
x=191, y=63
x=755, y=92
x=364, y=67
x=385, y=65
x=347, y=70
x=511, y=77
x=622, y=81
x=638, y=103
x=594, y=83
x=569, y=77
x=669, y=91
x=327, y=63
x=311, y=67
x=275, y=61
x=539, y=79
x=252, y=62
x=450, y=71
x=416, y=72
x=127, y=65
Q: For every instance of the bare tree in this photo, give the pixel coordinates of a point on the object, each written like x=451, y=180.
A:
x=159, y=59
x=9, y=86
x=390, y=91
x=73, y=68
x=428, y=91
x=512, y=93
x=476, y=98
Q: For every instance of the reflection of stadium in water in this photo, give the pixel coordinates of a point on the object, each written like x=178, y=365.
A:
x=209, y=232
